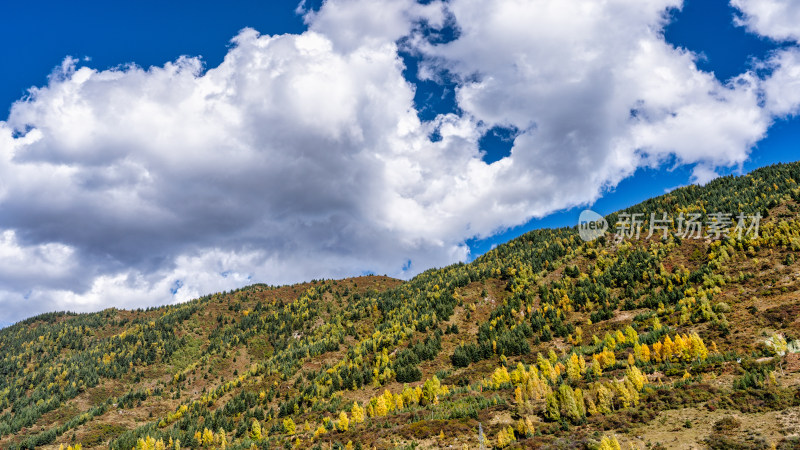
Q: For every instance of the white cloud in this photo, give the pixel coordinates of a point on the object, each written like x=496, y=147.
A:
x=598, y=93
x=782, y=88
x=776, y=19
x=301, y=156
x=271, y=167
x=352, y=24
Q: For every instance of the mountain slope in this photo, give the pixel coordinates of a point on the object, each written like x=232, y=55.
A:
x=546, y=340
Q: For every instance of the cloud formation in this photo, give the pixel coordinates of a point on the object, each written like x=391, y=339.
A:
x=302, y=156
x=776, y=19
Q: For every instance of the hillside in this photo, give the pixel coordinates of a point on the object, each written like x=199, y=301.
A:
x=545, y=341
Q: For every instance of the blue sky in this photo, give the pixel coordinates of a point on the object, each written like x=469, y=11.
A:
x=171, y=150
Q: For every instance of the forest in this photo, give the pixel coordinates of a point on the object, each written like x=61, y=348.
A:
x=665, y=341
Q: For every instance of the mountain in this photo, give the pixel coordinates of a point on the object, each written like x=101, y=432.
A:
x=549, y=340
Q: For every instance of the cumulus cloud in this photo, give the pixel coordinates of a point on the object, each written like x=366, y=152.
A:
x=302, y=156
x=776, y=19
x=597, y=92
x=782, y=88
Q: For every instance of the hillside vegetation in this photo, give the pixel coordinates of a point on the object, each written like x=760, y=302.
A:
x=545, y=341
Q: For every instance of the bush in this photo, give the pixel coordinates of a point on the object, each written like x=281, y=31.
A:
x=727, y=424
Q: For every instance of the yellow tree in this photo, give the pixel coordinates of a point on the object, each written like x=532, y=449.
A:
x=208, y=437
x=631, y=335
x=499, y=377
x=657, y=351
x=505, y=437
x=574, y=368
x=645, y=353
x=388, y=398
x=288, y=425
x=546, y=368
x=668, y=349
x=680, y=348
x=552, y=409
x=635, y=375
x=604, y=397
x=697, y=347
x=344, y=423
x=380, y=407
x=597, y=368
x=619, y=337
x=223, y=438
x=609, y=444
x=357, y=413
x=567, y=402
x=255, y=430
x=525, y=427
x=579, y=400
x=398, y=401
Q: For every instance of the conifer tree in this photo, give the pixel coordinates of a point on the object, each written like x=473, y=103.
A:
x=568, y=405
x=288, y=425
x=255, y=430
x=357, y=413
x=552, y=407
x=380, y=407
x=574, y=368
x=343, y=424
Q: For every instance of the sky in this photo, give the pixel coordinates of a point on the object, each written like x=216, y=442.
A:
x=152, y=153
